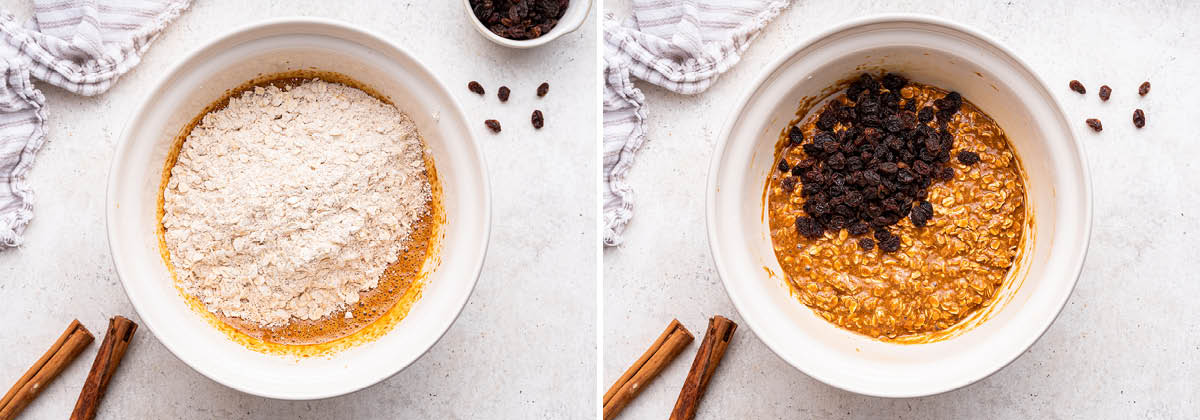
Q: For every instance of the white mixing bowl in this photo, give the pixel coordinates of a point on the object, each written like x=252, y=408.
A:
x=204, y=76
x=943, y=54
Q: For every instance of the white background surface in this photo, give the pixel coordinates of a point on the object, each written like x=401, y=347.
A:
x=524, y=346
x=1127, y=345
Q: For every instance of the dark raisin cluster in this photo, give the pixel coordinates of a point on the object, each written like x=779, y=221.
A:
x=871, y=162
x=519, y=19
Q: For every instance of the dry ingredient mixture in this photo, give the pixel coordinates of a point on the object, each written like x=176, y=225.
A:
x=289, y=202
x=933, y=177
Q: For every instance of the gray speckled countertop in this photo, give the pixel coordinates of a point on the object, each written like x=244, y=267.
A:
x=524, y=347
x=1127, y=345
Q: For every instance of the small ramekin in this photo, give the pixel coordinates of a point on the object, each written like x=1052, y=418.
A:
x=576, y=14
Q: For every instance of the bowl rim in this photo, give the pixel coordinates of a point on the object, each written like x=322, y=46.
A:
x=124, y=143
x=774, y=66
x=568, y=27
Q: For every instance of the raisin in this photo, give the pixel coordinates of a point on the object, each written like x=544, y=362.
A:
x=827, y=120
x=888, y=167
x=808, y=227
x=838, y=221
x=502, y=93
x=826, y=142
x=922, y=168
x=893, y=123
x=795, y=136
x=891, y=244
x=543, y=89
x=816, y=207
x=475, y=87
x=537, y=119
x=894, y=82
x=968, y=158
x=866, y=244
x=946, y=174
x=493, y=125
x=921, y=213
x=882, y=235
x=1144, y=89
x=783, y=165
x=858, y=228
x=1139, y=118
x=1078, y=87
x=1094, y=124
x=788, y=184
x=1105, y=92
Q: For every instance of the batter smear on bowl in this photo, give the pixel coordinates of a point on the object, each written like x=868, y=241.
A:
x=299, y=210
x=897, y=209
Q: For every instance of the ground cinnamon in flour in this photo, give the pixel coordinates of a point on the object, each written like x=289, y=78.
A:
x=290, y=201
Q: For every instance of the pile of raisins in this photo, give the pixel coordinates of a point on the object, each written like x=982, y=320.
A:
x=519, y=19
x=871, y=162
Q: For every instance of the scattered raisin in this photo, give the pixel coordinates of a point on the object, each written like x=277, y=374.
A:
x=1139, y=118
x=1105, y=92
x=1078, y=87
x=503, y=93
x=866, y=244
x=475, y=87
x=1144, y=89
x=783, y=165
x=543, y=89
x=968, y=158
x=493, y=125
x=537, y=119
x=1094, y=124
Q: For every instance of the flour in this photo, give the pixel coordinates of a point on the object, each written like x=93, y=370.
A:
x=288, y=203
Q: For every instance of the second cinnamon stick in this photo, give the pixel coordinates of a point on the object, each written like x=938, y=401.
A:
x=112, y=350
x=712, y=349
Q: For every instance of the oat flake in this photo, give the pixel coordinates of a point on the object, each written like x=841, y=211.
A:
x=289, y=202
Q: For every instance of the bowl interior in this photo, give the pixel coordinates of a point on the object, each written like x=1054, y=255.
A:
x=202, y=78
x=1057, y=190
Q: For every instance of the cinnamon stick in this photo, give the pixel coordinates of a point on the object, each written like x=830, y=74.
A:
x=712, y=349
x=646, y=368
x=116, y=341
x=53, y=362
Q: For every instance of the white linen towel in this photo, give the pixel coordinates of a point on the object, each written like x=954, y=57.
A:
x=82, y=46
x=681, y=45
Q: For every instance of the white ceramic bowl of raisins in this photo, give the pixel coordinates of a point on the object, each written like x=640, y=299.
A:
x=940, y=53
x=573, y=16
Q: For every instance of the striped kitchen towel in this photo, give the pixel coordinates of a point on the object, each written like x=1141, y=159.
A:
x=82, y=46
x=681, y=45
